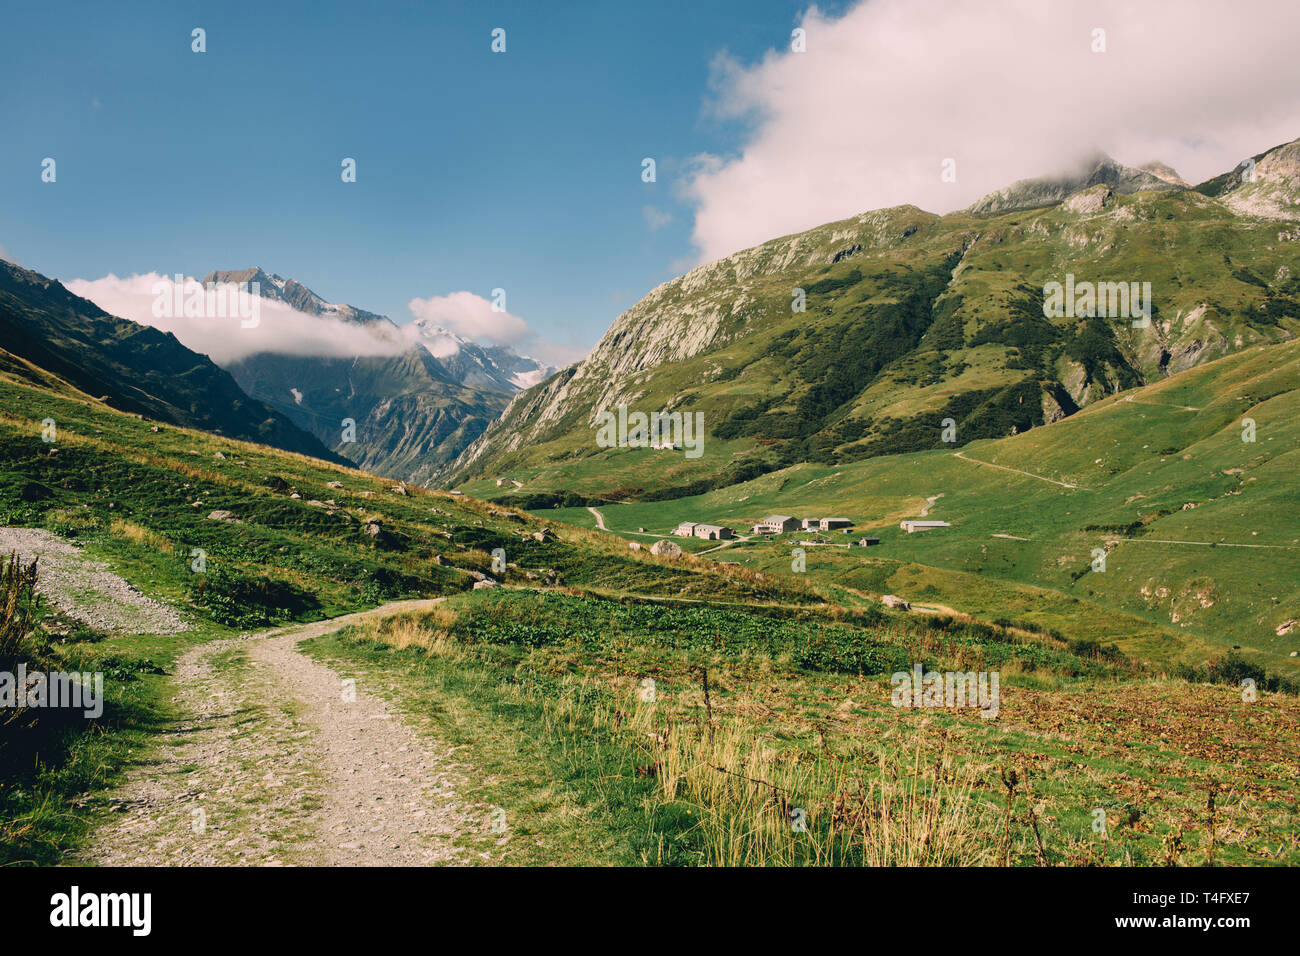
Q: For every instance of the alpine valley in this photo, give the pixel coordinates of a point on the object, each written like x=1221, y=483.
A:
x=1109, y=528
x=924, y=378
x=414, y=410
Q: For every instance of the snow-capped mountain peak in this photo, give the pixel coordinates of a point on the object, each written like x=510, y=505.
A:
x=496, y=368
x=296, y=295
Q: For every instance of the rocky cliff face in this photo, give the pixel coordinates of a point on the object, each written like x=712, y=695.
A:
x=410, y=416
x=697, y=312
x=1274, y=190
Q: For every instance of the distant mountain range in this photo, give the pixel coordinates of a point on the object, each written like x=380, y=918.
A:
x=911, y=320
x=132, y=367
x=854, y=339
x=414, y=410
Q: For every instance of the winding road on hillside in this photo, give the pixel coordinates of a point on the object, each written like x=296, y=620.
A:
x=276, y=760
x=600, y=526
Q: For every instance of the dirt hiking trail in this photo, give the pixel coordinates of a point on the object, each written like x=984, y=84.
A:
x=272, y=762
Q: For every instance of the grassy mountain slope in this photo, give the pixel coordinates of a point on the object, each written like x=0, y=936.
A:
x=911, y=318
x=411, y=417
x=146, y=495
x=765, y=674
x=1200, y=527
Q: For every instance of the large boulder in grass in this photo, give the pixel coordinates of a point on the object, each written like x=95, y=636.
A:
x=666, y=549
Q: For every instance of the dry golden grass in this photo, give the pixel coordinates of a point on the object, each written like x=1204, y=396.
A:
x=760, y=806
x=17, y=606
x=141, y=536
x=429, y=631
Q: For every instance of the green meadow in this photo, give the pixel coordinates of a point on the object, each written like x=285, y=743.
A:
x=771, y=688
x=1200, y=528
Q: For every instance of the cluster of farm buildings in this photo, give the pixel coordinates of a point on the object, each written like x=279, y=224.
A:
x=772, y=524
x=710, y=532
x=781, y=524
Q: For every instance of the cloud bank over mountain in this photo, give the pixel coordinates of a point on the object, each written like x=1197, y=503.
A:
x=473, y=317
x=284, y=330
x=223, y=338
x=1008, y=89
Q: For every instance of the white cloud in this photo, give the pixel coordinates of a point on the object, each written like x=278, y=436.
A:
x=222, y=337
x=284, y=330
x=471, y=316
x=655, y=217
x=558, y=354
x=1010, y=89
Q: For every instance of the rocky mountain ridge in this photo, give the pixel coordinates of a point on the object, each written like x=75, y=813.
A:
x=954, y=307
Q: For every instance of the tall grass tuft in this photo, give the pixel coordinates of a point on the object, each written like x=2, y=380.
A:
x=756, y=805
x=759, y=806
x=17, y=609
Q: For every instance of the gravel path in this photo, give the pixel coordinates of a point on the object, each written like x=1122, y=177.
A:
x=87, y=590
x=273, y=763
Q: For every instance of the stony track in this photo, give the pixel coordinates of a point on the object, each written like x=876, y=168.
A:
x=86, y=589
x=276, y=760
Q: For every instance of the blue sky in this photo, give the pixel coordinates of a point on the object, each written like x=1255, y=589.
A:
x=522, y=170
x=474, y=170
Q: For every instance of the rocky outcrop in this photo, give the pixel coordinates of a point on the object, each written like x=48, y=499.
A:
x=1093, y=199
x=1101, y=170
x=1274, y=190
x=1166, y=173
x=666, y=549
